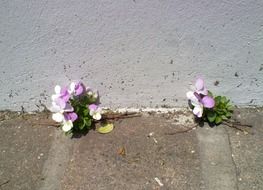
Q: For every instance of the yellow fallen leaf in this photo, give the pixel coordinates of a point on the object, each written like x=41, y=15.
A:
x=106, y=128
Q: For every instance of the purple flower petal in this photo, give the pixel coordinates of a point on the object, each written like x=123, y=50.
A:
x=199, y=84
x=74, y=116
x=68, y=108
x=64, y=94
x=66, y=116
x=79, y=88
x=93, y=107
x=71, y=116
x=208, y=102
x=60, y=102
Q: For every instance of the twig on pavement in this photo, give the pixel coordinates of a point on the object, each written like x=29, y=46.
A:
x=235, y=124
x=182, y=131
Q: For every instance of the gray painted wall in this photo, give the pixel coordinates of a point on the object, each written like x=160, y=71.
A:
x=135, y=52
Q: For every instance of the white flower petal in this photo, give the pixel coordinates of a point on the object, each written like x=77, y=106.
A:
x=58, y=117
x=57, y=89
x=189, y=95
x=72, y=87
x=95, y=95
x=194, y=101
x=198, y=111
x=91, y=112
x=67, y=126
x=54, y=108
x=97, y=116
x=54, y=97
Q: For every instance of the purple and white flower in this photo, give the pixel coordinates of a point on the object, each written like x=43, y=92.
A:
x=77, y=88
x=61, y=93
x=68, y=119
x=93, y=94
x=95, y=111
x=60, y=99
x=199, y=98
x=61, y=108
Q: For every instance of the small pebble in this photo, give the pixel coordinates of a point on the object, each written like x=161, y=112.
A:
x=150, y=134
x=192, y=151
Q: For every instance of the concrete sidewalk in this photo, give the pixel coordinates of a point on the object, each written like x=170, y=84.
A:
x=141, y=153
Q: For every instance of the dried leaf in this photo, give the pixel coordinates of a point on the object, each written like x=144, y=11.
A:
x=122, y=151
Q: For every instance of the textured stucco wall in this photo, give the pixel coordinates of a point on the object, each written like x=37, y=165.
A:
x=135, y=52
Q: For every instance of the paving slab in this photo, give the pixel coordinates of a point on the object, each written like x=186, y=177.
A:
x=248, y=149
x=24, y=149
x=218, y=167
x=134, y=156
x=141, y=153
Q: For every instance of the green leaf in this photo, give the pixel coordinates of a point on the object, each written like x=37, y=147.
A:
x=85, y=112
x=106, y=128
x=224, y=117
x=228, y=114
x=225, y=111
x=218, y=120
x=230, y=108
x=219, y=112
x=211, y=116
x=223, y=99
x=217, y=100
x=82, y=125
x=76, y=109
x=87, y=121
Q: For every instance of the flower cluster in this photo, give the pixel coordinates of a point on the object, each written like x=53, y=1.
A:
x=200, y=98
x=205, y=106
x=75, y=107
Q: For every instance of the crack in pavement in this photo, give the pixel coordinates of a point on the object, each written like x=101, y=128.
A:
x=232, y=157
